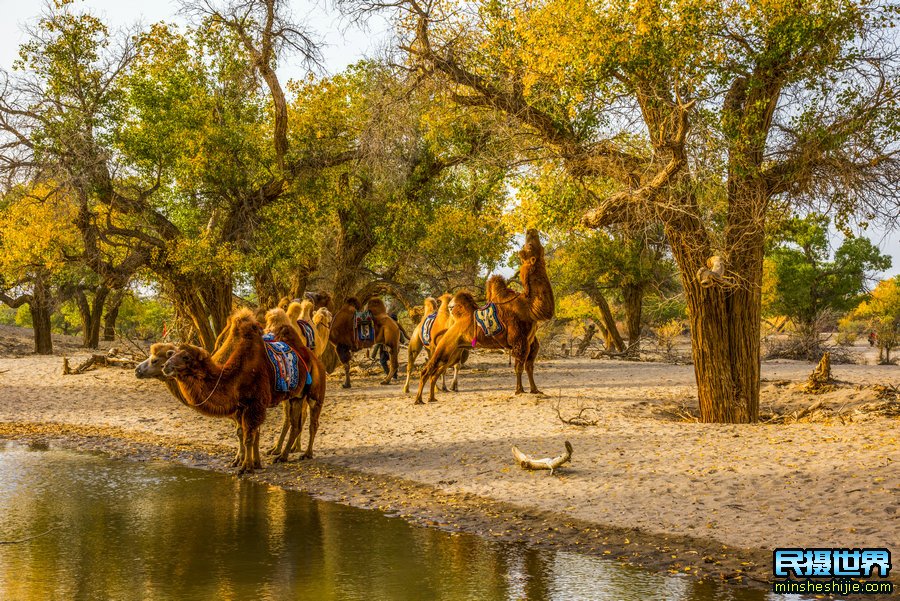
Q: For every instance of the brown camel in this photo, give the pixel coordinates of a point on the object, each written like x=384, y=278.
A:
x=344, y=336
x=276, y=319
x=152, y=366
x=310, y=402
x=440, y=325
x=243, y=387
x=453, y=346
x=519, y=312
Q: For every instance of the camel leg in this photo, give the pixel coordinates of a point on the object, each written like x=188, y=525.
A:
x=251, y=419
x=529, y=365
x=422, y=379
x=303, y=410
x=392, y=373
x=239, y=457
x=454, y=385
x=520, y=367
x=415, y=348
x=285, y=424
x=344, y=355
x=257, y=460
x=292, y=407
x=440, y=372
x=314, y=410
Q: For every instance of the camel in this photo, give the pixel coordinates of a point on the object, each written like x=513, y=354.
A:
x=309, y=403
x=519, y=312
x=455, y=343
x=344, y=337
x=243, y=387
x=321, y=321
x=440, y=325
x=152, y=366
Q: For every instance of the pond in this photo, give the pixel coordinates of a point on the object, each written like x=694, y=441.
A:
x=114, y=529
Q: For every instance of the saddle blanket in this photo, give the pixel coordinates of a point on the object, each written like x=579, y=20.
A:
x=286, y=363
x=488, y=319
x=364, y=326
x=426, y=328
x=309, y=333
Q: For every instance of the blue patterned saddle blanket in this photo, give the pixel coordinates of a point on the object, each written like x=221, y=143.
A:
x=426, y=328
x=364, y=326
x=488, y=320
x=309, y=333
x=286, y=364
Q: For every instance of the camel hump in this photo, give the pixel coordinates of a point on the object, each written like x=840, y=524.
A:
x=430, y=305
x=353, y=302
x=376, y=306
x=158, y=349
x=496, y=288
x=465, y=299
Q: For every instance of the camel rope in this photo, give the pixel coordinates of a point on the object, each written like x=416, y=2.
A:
x=216, y=387
x=510, y=299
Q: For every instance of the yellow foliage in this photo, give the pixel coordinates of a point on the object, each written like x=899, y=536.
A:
x=36, y=231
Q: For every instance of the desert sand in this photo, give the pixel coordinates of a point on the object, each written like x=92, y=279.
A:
x=830, y=479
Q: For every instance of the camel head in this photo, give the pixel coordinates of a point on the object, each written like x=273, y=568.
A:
x=284, y=302
x=184, y=360
x=430, y=305
x=532, y=250
x=152, y=366
x=319, y=300
x=322, y=318
x=463, y=304
x=259, y=315
x=376, y=306
x=275, y=318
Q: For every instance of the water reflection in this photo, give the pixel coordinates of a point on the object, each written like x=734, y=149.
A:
x=157, y=531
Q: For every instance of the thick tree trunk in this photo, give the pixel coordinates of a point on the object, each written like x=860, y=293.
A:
x=633, y=295
x=91, y=312
x=725, y=329
x=41, y=308
x=613, y=339
x=300, y=279
x=205, y=307
x=112, y=314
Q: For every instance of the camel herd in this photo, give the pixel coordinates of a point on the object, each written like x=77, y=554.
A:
x=238, y=380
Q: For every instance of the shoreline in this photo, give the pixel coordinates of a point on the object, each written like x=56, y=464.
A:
x=430, y=507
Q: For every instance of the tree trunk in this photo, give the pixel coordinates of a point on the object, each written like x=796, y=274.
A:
x=613, y=338
x=586, y=339
x=267, y=292
x=91, y=313
x=725, y=327
x=205, y=306
x=41, y=308
x=300, y=278
x=112, y=314
x=633, y=296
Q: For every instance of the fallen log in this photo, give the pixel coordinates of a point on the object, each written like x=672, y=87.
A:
x=547, y=463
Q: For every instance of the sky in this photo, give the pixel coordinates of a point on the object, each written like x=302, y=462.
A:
x=344, y=44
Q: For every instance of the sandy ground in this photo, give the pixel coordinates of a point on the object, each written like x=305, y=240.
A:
x=829, y=480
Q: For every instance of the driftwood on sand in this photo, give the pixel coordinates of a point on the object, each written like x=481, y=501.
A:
x=547, y=463
x=111, y=359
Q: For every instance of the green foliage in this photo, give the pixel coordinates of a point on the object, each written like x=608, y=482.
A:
x=143, y=317
x=805, y=279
